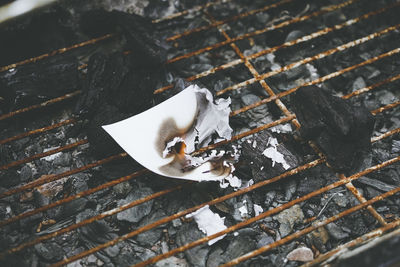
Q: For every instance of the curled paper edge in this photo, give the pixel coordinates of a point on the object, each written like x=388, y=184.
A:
x=145, y=136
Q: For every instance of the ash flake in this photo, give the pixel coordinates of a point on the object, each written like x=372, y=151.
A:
x=257, y=210
x=273, y=153
x=208, y=222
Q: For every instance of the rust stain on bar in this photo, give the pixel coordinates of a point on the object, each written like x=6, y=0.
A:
x=41, y=105
x=354, y=242
x=44, y=154
x=310, y=59
x=371, y=87
x=56, y=52
x=258, y=32
x=188, y=11
x=361, y=199
x=316, y=81
x=284, y=45
x=55, y=177
x=41, y=130
x=311, y=228
x=221, y=22
x=267, y=214
x=385, y=135
x=384, y=108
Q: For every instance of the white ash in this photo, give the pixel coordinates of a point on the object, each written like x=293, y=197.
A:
x=247, y=183
x=257, y=210
x=273, y=153
x=243, y=210
x=208, y=222
x=53, y=156
x=282, y=128
x=313, y=72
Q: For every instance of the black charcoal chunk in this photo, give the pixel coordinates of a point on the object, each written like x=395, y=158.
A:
x=381, y=252
x=342, y=130
x=376, y=184
x=35, y=83
x=188, y=233
x=262, y=167
x=139, y=32
x=135, y=214
x=36, y=34
x=116, y=88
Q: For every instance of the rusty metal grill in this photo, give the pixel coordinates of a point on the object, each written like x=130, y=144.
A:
x=229, y=42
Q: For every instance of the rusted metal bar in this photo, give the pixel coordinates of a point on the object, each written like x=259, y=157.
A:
x=371, y=87
x=284, y=45
x=373, y=234
x=221, y=22
x=254, y=72
x=361, y=198
x=316, y=81
x=44, y=154
x=310, y=59
x=267, y=213
x=56, y=52
x=191, y=10
x=385, y=135
x=258, y=32
x=41, y=130
x=41, y=105
x=384, y=108
x=240, y=136
x=54, y=177
x=311, y=228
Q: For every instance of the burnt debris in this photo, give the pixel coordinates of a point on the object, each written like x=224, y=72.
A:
x=342, y=130
x=32, y=84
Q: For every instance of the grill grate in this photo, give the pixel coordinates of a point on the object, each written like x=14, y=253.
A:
x=272, y=97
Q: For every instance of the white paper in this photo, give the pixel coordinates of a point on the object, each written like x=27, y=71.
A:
x=146, y=136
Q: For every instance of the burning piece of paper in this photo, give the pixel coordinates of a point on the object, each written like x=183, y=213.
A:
x=208, y=222
x=163, y=137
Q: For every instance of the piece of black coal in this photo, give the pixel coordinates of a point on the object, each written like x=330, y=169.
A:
x=36, y=34
x=139, y=32
x=261, y=166
x=342, y=130
x=34, y=83
x=116, y=88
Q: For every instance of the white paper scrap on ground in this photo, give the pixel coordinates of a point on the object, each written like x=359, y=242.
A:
x=208, y=222
x=162, y=137
x=273, y=153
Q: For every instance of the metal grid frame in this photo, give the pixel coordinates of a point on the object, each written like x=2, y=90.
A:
x=276, y=98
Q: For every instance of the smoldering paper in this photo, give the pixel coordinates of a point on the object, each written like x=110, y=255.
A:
x=162, y=138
